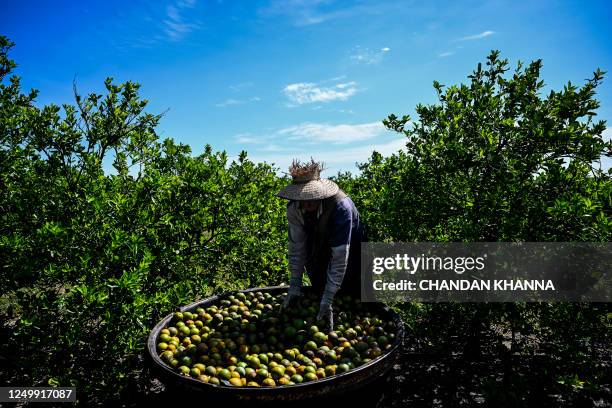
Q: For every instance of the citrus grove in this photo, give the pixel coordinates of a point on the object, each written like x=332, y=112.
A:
x=91, y=260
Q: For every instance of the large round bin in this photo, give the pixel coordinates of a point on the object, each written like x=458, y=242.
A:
x=328, y=387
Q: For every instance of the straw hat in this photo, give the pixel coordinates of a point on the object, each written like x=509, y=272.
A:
x=307, y=183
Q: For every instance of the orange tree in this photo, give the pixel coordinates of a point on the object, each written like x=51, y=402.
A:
x=91, y=258
x=496, y=160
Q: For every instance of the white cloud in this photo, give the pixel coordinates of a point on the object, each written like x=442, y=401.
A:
x=303, y=12
x=228, y=102
x=346, y=85
x=231, y=101
x=335, y=160
x=368, y=56
x=151, y=26
x=310, y=12
x=336, y=134
x=175, y=25
x=336, y=78
x=338, y=146
x=361, y=153
x=476, y=36
x=445, y=54
x=307, y=92
x=314, y=133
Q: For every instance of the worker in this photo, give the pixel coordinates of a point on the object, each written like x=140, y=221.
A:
x=325, y=235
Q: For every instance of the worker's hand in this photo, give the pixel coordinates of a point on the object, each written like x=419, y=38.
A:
x=290, y=299
x=326, y=316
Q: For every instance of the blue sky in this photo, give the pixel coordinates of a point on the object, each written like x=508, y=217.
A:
x=296, y=78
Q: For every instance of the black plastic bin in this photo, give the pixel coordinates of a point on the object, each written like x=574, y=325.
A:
x=342, y=385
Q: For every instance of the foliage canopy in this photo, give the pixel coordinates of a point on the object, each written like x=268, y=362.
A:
x=90, y=260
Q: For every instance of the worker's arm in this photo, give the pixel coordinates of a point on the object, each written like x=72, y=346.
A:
x=297, y=247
